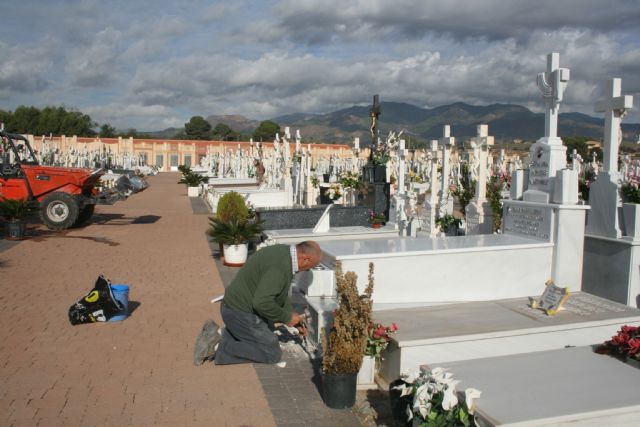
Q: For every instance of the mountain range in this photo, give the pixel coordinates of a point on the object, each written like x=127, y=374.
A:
x=506, y=123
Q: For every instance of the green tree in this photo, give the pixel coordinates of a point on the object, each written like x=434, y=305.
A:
x=25, y=120
x=266, y=131
x=76, y=123
x=107, y=131
x=197, y=128
x=50, y=121
x=5, y=118
x=224, y=133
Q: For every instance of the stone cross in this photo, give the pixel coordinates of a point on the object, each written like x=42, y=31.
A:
x=402, y=154
x=552, y=83
x=614, y=106
x=447, y=141
x=483, y=141
x=574, y=159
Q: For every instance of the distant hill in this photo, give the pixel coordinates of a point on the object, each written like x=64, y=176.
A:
x=506, y=123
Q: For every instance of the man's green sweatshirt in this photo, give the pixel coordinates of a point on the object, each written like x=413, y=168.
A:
x=262, y=285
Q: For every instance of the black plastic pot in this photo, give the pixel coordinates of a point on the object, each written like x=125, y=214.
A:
x=339, y=390
x=15, y=229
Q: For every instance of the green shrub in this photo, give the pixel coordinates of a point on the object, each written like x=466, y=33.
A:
x=15, y=208
x=193, y=179
x=232, y=206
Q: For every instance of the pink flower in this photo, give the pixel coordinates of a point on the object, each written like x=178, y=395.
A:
x=394, y=327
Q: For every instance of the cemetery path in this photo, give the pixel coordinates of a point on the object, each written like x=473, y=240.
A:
x=136, y=372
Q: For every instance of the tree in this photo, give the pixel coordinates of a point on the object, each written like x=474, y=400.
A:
x=107, y=131
x=5, y=118
x=197, y=128
x=266, y=131
x=223, y=132
x=25, y=120
x=50, y=121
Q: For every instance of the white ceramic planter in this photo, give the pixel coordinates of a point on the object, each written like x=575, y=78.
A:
x=367, y=374
x=631, y=213
x=193, y=191
x=235, y=255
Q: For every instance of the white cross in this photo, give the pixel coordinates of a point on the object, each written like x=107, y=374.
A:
x=614, y=107
x=552, y=84
x=483, y=141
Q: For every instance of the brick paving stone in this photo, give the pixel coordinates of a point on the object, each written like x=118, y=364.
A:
x=155, y=243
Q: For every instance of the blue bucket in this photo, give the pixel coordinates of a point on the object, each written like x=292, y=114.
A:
x=121, y=293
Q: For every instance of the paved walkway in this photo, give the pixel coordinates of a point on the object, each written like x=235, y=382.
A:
x=133, y=373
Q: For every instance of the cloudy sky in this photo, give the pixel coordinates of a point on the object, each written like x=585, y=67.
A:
x=154, y=64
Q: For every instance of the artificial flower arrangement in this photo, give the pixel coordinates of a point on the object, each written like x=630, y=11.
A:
x=335, y=191
x=630, y=189
x=446, y=221
x=378, y=338
x=434, y=400
x=625, y=344
x=415, y=177
x=350, y=179
x=377, y=218
x=315, y=181
x=382, y=150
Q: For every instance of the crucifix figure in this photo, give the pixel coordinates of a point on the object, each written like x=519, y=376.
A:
x=552, y=83
x=375, y=112
x=614, y=107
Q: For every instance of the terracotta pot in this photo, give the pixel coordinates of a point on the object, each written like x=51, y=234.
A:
x=376, y=225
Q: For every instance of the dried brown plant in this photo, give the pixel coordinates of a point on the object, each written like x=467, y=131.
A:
x=344, y=348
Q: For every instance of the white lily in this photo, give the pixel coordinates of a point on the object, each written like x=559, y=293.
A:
x=425, y=409
x=410, y=376
x=409, y=413
x=438, y=373
x=469, y=395
x=449, y=399
x=423, y=392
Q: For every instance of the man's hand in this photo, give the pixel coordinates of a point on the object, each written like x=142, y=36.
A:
x=295, y=319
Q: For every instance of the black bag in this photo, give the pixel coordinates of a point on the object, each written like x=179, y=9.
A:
x=99, y=305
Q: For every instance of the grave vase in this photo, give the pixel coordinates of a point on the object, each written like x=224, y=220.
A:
x=376, y=225
x=367, y=373
x=631, y=214
x=380, y=173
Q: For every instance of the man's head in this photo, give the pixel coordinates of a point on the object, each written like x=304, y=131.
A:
x=309, y=255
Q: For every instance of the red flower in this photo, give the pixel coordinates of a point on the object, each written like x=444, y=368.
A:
x=394, y=327
x=634, y=345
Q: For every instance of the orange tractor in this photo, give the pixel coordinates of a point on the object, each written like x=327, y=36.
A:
x=66, y=197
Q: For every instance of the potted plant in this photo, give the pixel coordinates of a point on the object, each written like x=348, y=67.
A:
x=231, y=205
x=350, y=181
x=449, y=224
x=334, y=192
x=378, y=337
x=193, y=181
x=630, y=190
x=432, y=400
x=234, y=235
x=344, y=345
x=377, y=220
x=15, y=211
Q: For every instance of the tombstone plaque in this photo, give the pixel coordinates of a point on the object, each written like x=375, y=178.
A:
x=552, y=298
x=528, y=221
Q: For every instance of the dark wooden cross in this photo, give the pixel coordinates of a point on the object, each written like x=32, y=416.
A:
x=375, y=112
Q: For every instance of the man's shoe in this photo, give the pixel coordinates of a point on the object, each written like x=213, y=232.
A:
x=207, y=342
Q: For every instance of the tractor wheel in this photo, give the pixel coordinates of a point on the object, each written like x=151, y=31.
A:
x=59, y=211
x=85, y=214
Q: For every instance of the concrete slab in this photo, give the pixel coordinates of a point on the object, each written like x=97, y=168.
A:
x=564, y=387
